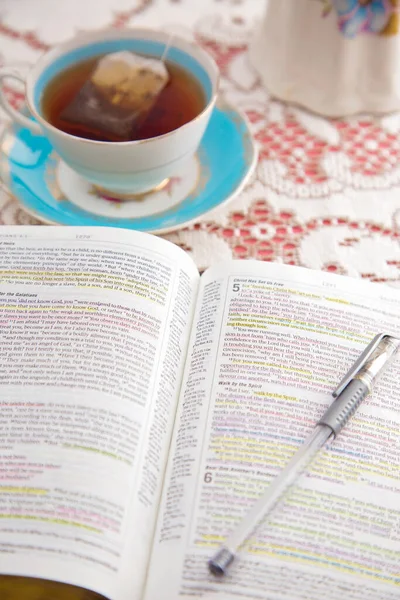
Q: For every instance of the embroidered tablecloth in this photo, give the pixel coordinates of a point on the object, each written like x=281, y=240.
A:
x=325, y=193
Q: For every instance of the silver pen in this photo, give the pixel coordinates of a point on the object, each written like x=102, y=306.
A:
x=349, y=394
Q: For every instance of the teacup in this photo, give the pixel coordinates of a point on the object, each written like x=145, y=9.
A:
x=120, y=168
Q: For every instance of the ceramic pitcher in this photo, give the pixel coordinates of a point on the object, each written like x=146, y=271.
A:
x=335, y=57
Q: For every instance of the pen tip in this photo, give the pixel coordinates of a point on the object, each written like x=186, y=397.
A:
x=215, y=568
x=220, y=562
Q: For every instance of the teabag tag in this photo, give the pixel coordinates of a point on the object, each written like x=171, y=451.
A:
x=130, y=81
x=120, y=92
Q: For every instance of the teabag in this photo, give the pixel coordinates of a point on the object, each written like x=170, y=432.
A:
x=117, y=97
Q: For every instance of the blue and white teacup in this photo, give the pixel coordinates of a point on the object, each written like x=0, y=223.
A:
x=121, y=168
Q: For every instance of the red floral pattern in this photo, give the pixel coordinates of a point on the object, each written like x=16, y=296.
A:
x=263, y=234
x=372, y=150
x=298, y=150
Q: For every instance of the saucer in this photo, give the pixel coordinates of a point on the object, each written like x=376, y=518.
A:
x=52, y=192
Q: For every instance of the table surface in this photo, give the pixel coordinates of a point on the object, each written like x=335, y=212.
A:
x=325, y=193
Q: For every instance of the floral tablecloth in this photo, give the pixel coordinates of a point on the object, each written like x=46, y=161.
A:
x=325, y=193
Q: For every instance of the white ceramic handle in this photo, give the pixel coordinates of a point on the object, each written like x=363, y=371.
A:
x=15, y=115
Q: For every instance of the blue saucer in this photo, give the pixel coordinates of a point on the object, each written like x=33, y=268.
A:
x=49, y=190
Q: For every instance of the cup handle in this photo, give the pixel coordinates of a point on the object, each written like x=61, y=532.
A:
x=15, y=115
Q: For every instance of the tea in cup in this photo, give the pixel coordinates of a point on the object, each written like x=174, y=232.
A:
x=132, y=155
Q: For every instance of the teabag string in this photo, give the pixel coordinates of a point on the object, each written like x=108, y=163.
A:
x=162, y=59
x=167, y=47
x=114, y=102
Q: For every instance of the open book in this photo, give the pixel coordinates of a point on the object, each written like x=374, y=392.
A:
x=145, y=408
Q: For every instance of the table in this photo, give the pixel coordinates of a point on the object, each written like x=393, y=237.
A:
x=325, y=193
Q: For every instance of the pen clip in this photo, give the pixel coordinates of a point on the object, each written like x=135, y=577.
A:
x=360, y=362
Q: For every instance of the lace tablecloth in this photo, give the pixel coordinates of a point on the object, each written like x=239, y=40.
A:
x=325, y=194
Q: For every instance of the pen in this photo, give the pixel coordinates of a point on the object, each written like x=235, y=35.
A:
x=349, y=394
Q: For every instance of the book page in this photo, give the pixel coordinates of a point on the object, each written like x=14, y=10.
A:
x=269, y=345
x=94, y=325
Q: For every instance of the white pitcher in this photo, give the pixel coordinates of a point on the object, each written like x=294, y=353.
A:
x=334, y=57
